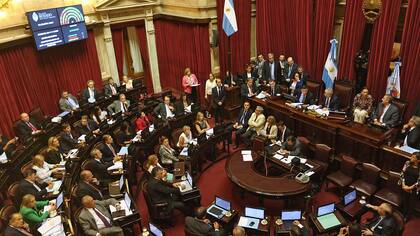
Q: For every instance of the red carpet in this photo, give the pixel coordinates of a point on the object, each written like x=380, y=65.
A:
x=215, y=182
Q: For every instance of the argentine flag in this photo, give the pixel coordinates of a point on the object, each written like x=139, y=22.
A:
x=393, y=86
x=229, y=18
x=330, y=68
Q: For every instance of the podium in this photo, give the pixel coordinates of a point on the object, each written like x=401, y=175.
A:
x=233, y=101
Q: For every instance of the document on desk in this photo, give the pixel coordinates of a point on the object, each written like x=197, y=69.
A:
x=209, y=132
x=247, y=157
x=278, y=156
x=117, y=165
x=408, y=149
x=57, y=185
x=246, y=152
x=248, y=222
x=3, y=157
x=184, y=152
x=261, y=95
x=123, y=151
x=52, y=227
x=194, y=141
x=188, y=109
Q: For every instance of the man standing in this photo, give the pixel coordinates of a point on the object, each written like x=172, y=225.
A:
x=218, y=94
x=290, y=69
x=270, y=69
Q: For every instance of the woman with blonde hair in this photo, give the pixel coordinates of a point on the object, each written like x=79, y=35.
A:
x=201, y=124
x=44, y=170
x=54, y=155
x=270, y=129
x=185, y=137
x=31, y=210
x=166, y=152
x=152, y=162
x=188, y=81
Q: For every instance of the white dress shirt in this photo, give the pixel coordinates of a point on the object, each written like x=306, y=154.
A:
x=99, y=223
x=383, y=114
x=168, y=112
x=44, y=172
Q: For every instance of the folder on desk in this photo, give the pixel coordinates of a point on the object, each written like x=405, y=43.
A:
x=248, y=222
x=52, y=226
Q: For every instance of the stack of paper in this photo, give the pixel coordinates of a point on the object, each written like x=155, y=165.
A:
x=261, y=95
x=52, y=227
x=209, y=132
x=408, y=149
x=246, y=155
x=184, y=152
x=3, y=157
x=278, y=156
x=117, y=165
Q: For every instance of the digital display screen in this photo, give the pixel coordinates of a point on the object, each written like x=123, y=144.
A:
x=57, y=26
x=291, y=215
x=222, y=203
x=254, y=212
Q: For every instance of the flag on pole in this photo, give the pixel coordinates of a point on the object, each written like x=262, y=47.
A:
x=393, y=85
x=229, y=18
x=330, y=68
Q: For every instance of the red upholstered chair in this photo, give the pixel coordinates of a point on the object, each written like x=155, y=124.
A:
x=392, y=192
x=322, y=156
x=367, y=184
x=305, y=145
x=399, y=222
x=344, y=90
x=158, y=211
x=402, y=105
x=5, y=213
x=344, y=176
x=26, y=167
x=38, y=115
x=12, y=193
x=314, y=87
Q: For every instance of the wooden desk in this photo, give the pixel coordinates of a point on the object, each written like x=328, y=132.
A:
x=280, y=230
x=353, y=210
x=261, y=230
x=321, y=230
x=232, y=101
x=393, y=158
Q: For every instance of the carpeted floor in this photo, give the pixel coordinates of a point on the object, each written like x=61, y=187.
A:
x=215, y=182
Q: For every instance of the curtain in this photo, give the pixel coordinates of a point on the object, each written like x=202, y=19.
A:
x=323, y=33
x=30, y=79
x=118, y=41
x=383, y=36
x=144, y=52
x=180, y=45
x=285, y=27
x=240, y=41
x=410, y=51
x=134, y=49
x=351, y=40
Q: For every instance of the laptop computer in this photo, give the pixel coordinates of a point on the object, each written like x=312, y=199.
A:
x=288, y=217
x=187, y=184
x=257, y=213
x=155, y=230
x=326, y=216
x=219, y=208
x=349, y=197
x=125, y=205
x=252, y=218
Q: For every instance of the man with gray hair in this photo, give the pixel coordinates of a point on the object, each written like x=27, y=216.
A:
x=255, y=124
x=330, y=101
x=386, y=113
x=383, y=224
x=290, y=69
x=411, y=133
x=89, y=94
x=238, y=231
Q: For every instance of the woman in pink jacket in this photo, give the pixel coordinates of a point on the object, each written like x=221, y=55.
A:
x=188, y=80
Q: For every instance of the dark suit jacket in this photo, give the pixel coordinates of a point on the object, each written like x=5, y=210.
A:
x=107, y=155
x=417, y=111
x=161, y=110
x=108, y=90
x=266, y=73
x=27, y=188
x=244, y=90
x=413, y=137
x=287, y=133
x=198, y=227
x=85, y=94
x=385, y=228
x=100, y=170
x=334, y=102
x=228, y=80
x=53, y=157
x=81, y=130
x=159, y=191
x=84, y=189
x=9, y=231
x=67, y=142
x=292, y=69
x=276, y=91
x=246, y=118
x=391, y=117
x=23, y=131
x=218, y=97
x=309, y=99
x=294, y=150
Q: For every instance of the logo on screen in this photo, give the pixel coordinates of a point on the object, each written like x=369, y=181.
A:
x=35, y=17
x=70, y=15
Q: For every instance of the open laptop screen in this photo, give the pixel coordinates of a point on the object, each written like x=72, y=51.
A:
x=349, y=197
x=326, y=209
x=291, y=215
x=155, y=231
x=254, y=212
x=222, y=203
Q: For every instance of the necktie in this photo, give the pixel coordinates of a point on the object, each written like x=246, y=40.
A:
x=102, y=217
x=243, y=117
x=218, y=92
x=256, y=118
x=327, y=102
x=112, y=149
x=290, y=71
x=97, y=190
x=71, y=136
x=113, y=90
x=23, y=231
x=88, y=126
x=272, y=90
x=31, y=126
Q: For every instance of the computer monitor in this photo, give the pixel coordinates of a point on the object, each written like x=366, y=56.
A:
x=254, y=212
x=155, y=230
x=291, y=215
x=189, y=179
x=59, y=200
x=127, y=200
x=349, y=197
x=326, y=209
x=222, y=203
x=121, y=182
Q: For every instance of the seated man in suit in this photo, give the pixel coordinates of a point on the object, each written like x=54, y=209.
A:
x=200, y=225
x=95, y=219
x=383, y=224
x=238, y=231
x=120, y=105
x=386, y=113
x=27, y=127
x=128, y=83
x=411, y=133
x=255, y=124
x=109, y=149
x=87, y=126
x=292, y=146
x=165, y=110
x=273, y=89
x=330, y=101
x=111, y=88
x=17, y=226
x=89, y=94
x=67, y=140
x=88, y=185
x=241, y=124
x=249, y=89
x=28, y=185
x=218, y=94
x=283, y=131
x=68, y=102
x=99, y=168
x=290, y=69
x=162, y=192
x=305, y=96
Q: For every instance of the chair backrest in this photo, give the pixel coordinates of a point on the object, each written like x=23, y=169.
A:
x=305, y=145
x=26, y=166
x=258, y=143
x=176, y=133
x=348, y=165
x=6, y=212
x=370, y=173
x=43, y=151
x=38, y=115
x=344, y=90
x=323, y=153
x=85, y=164
x=314, y=87
x=392, y=182
x=13, y=192
x=189, y=233
x=399, y=220
x=402, y=106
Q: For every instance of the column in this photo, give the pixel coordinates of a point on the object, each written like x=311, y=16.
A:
x=109, y=46
x=151, y=46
